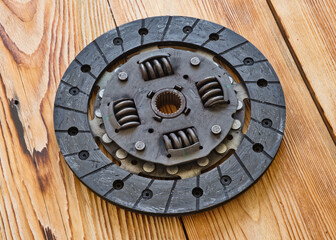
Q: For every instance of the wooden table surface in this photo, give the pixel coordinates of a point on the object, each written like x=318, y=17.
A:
x=40, y=197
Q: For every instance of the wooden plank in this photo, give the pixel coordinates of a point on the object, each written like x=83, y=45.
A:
x=295, y=198
x=40, y=197
x=310, y=30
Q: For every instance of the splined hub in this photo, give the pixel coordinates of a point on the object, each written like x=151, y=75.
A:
x=168, y=103
x=165, y=132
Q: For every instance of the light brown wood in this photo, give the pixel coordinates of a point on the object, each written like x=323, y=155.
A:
x=41, y=198
x=296, y=197
x=310, y=30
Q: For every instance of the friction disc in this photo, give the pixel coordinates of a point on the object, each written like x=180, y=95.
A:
x=150, y=116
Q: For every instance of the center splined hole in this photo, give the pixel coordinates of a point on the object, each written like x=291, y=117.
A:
x=168, y=102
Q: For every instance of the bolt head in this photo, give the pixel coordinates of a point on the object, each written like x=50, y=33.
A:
x=195, y=61
x=122, y=76
x=140, y=145
x=216, y=129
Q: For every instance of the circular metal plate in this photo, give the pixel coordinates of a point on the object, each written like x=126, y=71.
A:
x=170, y=197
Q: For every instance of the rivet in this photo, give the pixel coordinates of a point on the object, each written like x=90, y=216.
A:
x=121, y=154
x=236, y=124
x=216, y=129
x=202, y=162
x=240, y=105
x=172, y=170
x=148, y=167
x=221, y=148
x=139, y=145
x=122, y=76
x=195, y=61
x=101, y=93
x=106, y=139
x=98, y=113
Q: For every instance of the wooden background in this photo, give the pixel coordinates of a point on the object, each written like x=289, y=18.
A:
x=40, y=197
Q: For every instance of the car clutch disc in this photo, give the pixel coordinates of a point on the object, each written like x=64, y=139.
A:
x=169, y=115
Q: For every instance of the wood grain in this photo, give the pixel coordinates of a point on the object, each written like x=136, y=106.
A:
x=40, y=197
x=296, y=197
x=309, y=27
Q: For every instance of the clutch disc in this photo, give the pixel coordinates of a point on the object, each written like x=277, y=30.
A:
x=169, y=115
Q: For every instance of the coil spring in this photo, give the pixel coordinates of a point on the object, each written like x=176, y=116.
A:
x=126, y=114
x=156, y=68
x=211, y=92
x=181, y=139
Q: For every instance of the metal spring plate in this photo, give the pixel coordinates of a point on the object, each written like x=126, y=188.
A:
x=170, y=197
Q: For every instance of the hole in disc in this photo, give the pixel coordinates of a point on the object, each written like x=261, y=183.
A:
x=213, y=36
x=118, y=184
x=262, y=83
x=257, y=147
x=147, y=194
x=187, y=29
x=117, y=41
x=143, y=31
x=225, y=180
x=83, y=155
x=266, y=123
x=73, y=131
x=197, y=192
x=85, y=68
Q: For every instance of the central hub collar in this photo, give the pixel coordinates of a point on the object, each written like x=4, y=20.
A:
x=168, y=103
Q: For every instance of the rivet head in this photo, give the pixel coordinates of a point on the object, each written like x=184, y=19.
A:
x=121, y=154
x=101, y=93
x=240, y=105
x=202, y=162
x=172, y=170
x=149, y=167
x=122, y=76
x=106, y=139
x=221, y=148
x=98, y=113
x=216, y=129
x=231, y=80
x=236, y=124
x=139, y=145
x=195, y=61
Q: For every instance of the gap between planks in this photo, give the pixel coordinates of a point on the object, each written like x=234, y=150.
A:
x=300, y=68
